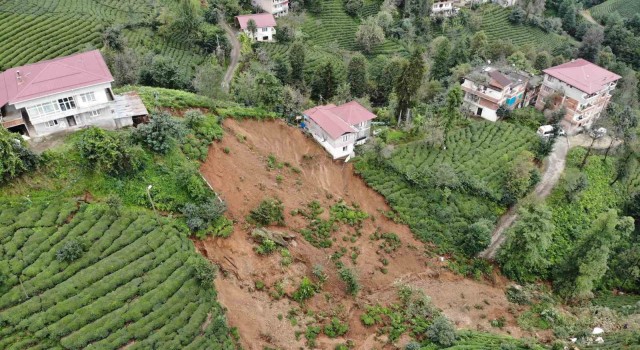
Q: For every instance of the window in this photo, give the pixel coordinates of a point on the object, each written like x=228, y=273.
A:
x=94, y=113
x=88, y=97
x=265, y=29
x=344, y=148
x=51, y=123
x=43, y=109
x=345, y=138
x=66, y=103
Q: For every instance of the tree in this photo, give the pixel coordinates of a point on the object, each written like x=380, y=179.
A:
x=369, y=34
x=568, y=14
x=477, y=237
x=187, y=20
x=357, y=75
x=523, y=255
x=441, y=58
x=124, y=66
x=160, y=134
x=591, y=43
x=519, y=60
x=282, y=70
x=518, y=176
x=112, y=38
x=269, y=93
x=297, y=62
x=480, y=45
x=15, y=157
x=353, y=6
x=292, y=100
x=202, y=270
x=208, y=80
x=583, y=269
x=517, y=15
x=325, y=83
x=451, y=111
x=252, y=28
x=442, y=332
x=542, y=61
x=163, y=72
x=407, y=85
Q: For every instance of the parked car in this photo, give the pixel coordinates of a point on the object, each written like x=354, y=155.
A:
x=549, y=130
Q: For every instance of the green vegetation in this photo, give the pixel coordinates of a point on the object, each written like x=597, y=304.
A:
x=269, y=212
x=440, y=193
x=134, y=270
x=496, y=25
x=624, y=8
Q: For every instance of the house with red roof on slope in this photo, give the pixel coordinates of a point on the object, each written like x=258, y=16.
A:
x=339, y=128
x=265, y=26
x=582, y=87
x=68, y=92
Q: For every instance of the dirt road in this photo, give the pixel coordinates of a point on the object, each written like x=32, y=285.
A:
x=587, y=15
x=554, y=169
x=235, y=54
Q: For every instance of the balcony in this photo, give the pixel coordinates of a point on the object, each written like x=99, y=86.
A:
x=12, y=119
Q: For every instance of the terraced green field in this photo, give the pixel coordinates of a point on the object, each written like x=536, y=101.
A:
x=479, y=153
x=626, y=8
x=34, y=30
x=131, y=286
x=496, y=24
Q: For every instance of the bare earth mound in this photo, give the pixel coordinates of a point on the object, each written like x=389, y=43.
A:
x=243, y=179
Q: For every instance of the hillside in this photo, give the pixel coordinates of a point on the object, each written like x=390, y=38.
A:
x=133, y=271
x=496, y=25
x=33, y=31
x=625, y=8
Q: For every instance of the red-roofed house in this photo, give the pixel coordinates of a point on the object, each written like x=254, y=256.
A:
x=339, y=128
x=265, y=24
x=49, y=96
x=582, y=87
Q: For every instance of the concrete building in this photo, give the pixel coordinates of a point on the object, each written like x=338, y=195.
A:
x=582, y=87
x=265, y=26
x=275, y=7
x=339, y=128
x=486, y=89
x=67, y=92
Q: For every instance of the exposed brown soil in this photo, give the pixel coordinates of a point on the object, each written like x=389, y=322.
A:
x=243, y=180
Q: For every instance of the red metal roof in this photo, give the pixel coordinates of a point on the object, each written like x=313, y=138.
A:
x=339, y=120
x=50, y=77
x=583, y=75
x=262, y=20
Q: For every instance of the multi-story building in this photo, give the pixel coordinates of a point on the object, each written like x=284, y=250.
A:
x=486, y=89
x=339, y=128
x=275, y=7
x=265, y=26
x=444, y=8
x=73, y=91
x=583, y=88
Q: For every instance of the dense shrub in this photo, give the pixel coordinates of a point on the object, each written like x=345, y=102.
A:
x=350, y=279
x=70, y=251
x=202, y=270
x=109, y=153
x=336, y=328
x=15, y=157
x=305, y=291
x=442, y=332
x=160, y=133
x=269, y=212
x=200, y=217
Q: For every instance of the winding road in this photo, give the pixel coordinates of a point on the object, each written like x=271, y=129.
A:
x=555, y=166
x=235, y=55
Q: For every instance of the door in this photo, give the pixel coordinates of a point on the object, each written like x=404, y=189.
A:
x=71, y=121
x=479, y=112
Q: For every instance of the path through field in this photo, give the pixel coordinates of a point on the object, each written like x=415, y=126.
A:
x=235, y=54
x=555, y=167
x=587, y=15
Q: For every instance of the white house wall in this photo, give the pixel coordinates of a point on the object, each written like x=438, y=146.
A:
x=338, y=148
x=261, y=33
